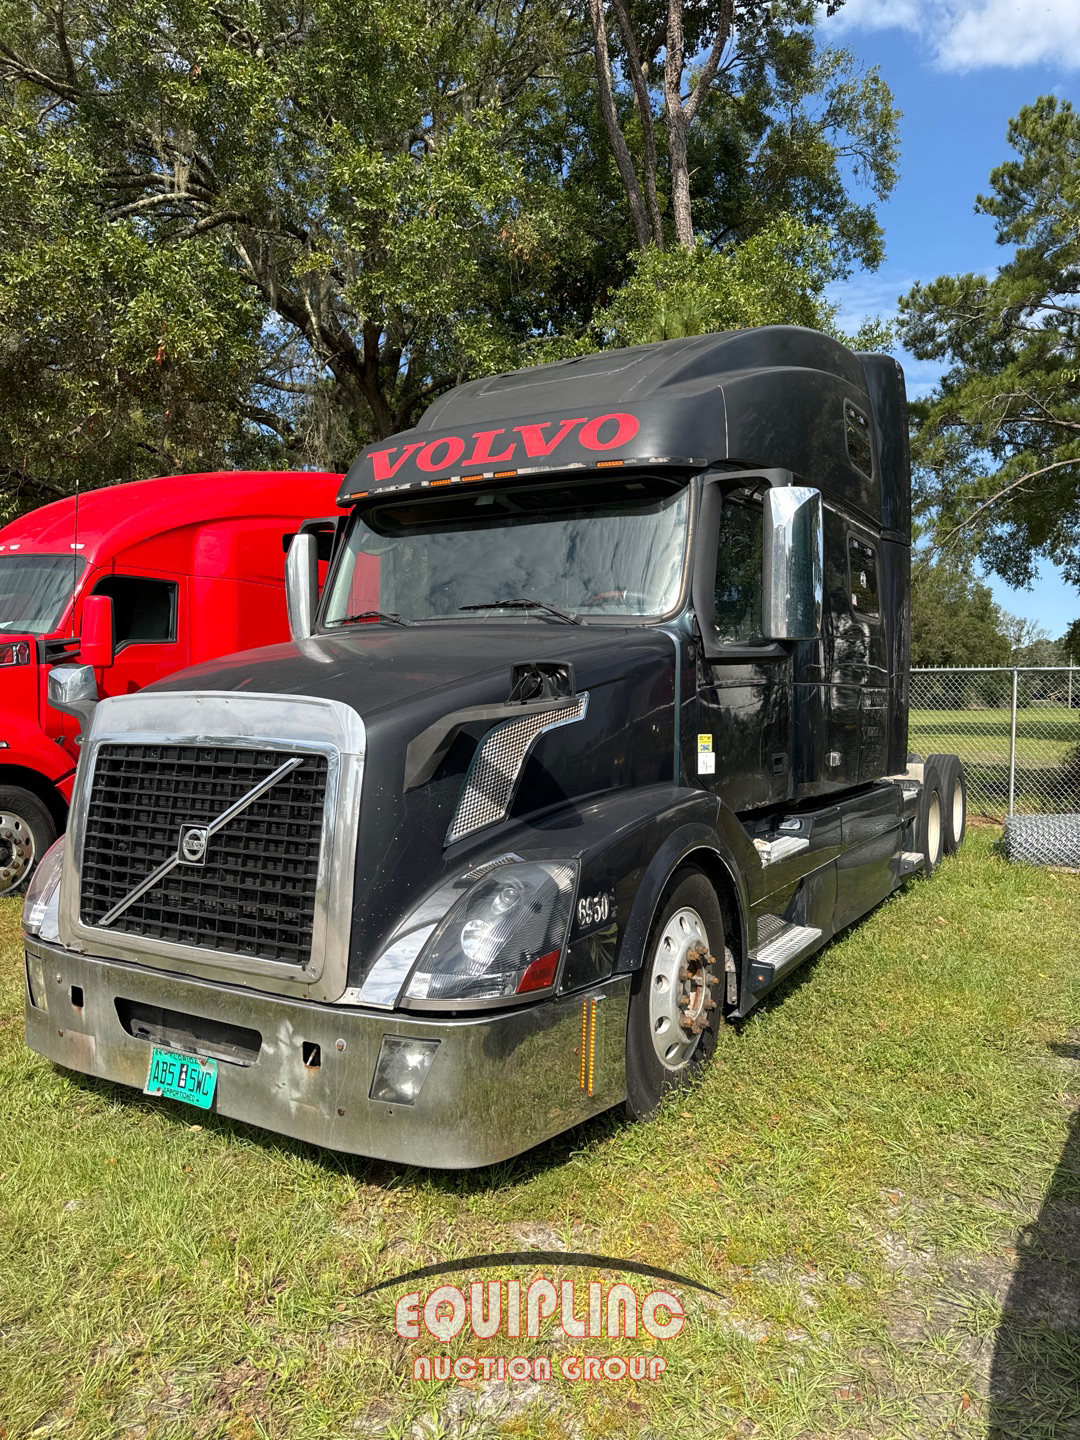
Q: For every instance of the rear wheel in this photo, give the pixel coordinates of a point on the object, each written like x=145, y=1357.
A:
x=953, y=800
x=930, y=821
x=676, y=999
x=26, y=832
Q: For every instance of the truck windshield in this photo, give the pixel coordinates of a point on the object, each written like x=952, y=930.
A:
x=35, y=590
x=588, y=549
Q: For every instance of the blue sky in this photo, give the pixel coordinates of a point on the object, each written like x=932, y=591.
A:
x=959, y=69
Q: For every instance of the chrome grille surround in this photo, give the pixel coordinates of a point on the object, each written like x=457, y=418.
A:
x=328, y=732
x=497, y=765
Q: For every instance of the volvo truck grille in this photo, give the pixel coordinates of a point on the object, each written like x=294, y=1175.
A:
x=205, y=845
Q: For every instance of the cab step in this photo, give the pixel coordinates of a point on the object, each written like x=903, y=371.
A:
x=910, y=861
x=783, y=946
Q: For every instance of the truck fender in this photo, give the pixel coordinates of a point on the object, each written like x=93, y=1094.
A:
x=43, y=769
x=683, y=843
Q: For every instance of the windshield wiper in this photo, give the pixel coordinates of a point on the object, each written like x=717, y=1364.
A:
x=389, y=617
x=522, y=604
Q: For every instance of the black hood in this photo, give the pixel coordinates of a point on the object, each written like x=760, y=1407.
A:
x=375, y=668
x=403, y=680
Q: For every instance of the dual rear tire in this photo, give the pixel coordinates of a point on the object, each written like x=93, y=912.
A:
x=941, y=820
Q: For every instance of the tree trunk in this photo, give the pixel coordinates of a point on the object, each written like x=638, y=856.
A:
x=644, y=109
x=677, y=126
x=619, y=148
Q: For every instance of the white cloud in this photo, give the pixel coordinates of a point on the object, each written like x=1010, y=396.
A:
x=964, y=35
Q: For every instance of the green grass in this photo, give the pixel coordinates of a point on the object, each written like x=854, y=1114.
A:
x=1046, y=736
x=852, y=1175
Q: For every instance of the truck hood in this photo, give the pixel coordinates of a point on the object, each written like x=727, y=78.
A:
x=401, y=681
x=375, y=668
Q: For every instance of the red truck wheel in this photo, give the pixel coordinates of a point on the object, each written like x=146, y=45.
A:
x=26, y=832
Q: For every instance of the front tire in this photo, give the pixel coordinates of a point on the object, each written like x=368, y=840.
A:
x=26, y=832
x=676, y=1001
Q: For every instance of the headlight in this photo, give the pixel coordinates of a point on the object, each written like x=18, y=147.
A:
x=503, y=938
x=43, y=893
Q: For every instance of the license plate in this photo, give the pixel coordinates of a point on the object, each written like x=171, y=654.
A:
x=181, y=1077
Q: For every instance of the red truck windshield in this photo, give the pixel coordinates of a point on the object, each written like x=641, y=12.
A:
x=589, y=549
x=35, y=590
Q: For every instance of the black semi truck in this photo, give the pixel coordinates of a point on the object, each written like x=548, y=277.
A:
x=598, y=729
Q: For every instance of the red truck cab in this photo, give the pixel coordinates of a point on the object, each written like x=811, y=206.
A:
x=194, y=568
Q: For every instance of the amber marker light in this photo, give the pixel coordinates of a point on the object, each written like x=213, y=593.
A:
x=505, y=474
x=607, y=464
x=592, y=1045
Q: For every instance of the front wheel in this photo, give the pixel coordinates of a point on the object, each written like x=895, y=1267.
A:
x=26, y=832
x=676, y=1007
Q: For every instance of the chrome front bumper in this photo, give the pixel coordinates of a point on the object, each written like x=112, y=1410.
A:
x=499, y=1083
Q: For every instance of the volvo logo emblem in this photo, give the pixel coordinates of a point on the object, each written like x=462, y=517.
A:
x=193, y=840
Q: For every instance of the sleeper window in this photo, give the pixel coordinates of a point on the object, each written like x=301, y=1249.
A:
x=739, y=572
x=862, y=560
x=144, y=611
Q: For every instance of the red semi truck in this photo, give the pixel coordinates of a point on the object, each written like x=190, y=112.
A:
x=141, y=580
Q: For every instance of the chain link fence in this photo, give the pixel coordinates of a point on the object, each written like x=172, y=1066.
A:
x=1017, y=730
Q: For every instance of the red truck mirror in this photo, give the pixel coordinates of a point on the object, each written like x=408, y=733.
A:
x=97, y=647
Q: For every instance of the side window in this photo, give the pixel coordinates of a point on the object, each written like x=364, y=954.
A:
x=858, y=439
x=863, y=567
x=144, y=611
x=739, y=571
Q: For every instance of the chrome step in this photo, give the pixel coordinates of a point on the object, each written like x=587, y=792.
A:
x=910, y=861
x=781, y=848
x=781, y=950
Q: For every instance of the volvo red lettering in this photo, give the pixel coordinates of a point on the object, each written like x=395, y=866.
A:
x=538, y=440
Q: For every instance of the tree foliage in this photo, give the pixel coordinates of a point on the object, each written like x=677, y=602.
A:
x=366, y=192
x=267, y=231
x=954, y=620
x=998, y=443
x=770, y=122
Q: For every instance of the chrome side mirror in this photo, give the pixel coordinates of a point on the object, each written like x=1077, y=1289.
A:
x=302, y=585
x=794, y=563
x=73, y=689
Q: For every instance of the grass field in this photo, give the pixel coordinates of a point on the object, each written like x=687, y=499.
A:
x=1046, y=736
x=880, y=1176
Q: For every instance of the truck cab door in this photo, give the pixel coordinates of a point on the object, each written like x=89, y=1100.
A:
x=150, y=630
x=745, y=689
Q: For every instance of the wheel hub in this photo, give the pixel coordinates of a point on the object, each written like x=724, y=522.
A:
x=16, y=851
x=681, y=1001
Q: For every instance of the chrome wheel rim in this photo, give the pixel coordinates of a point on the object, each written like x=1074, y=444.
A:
x=16, y=851
x=957, y=812
x=681, y=980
